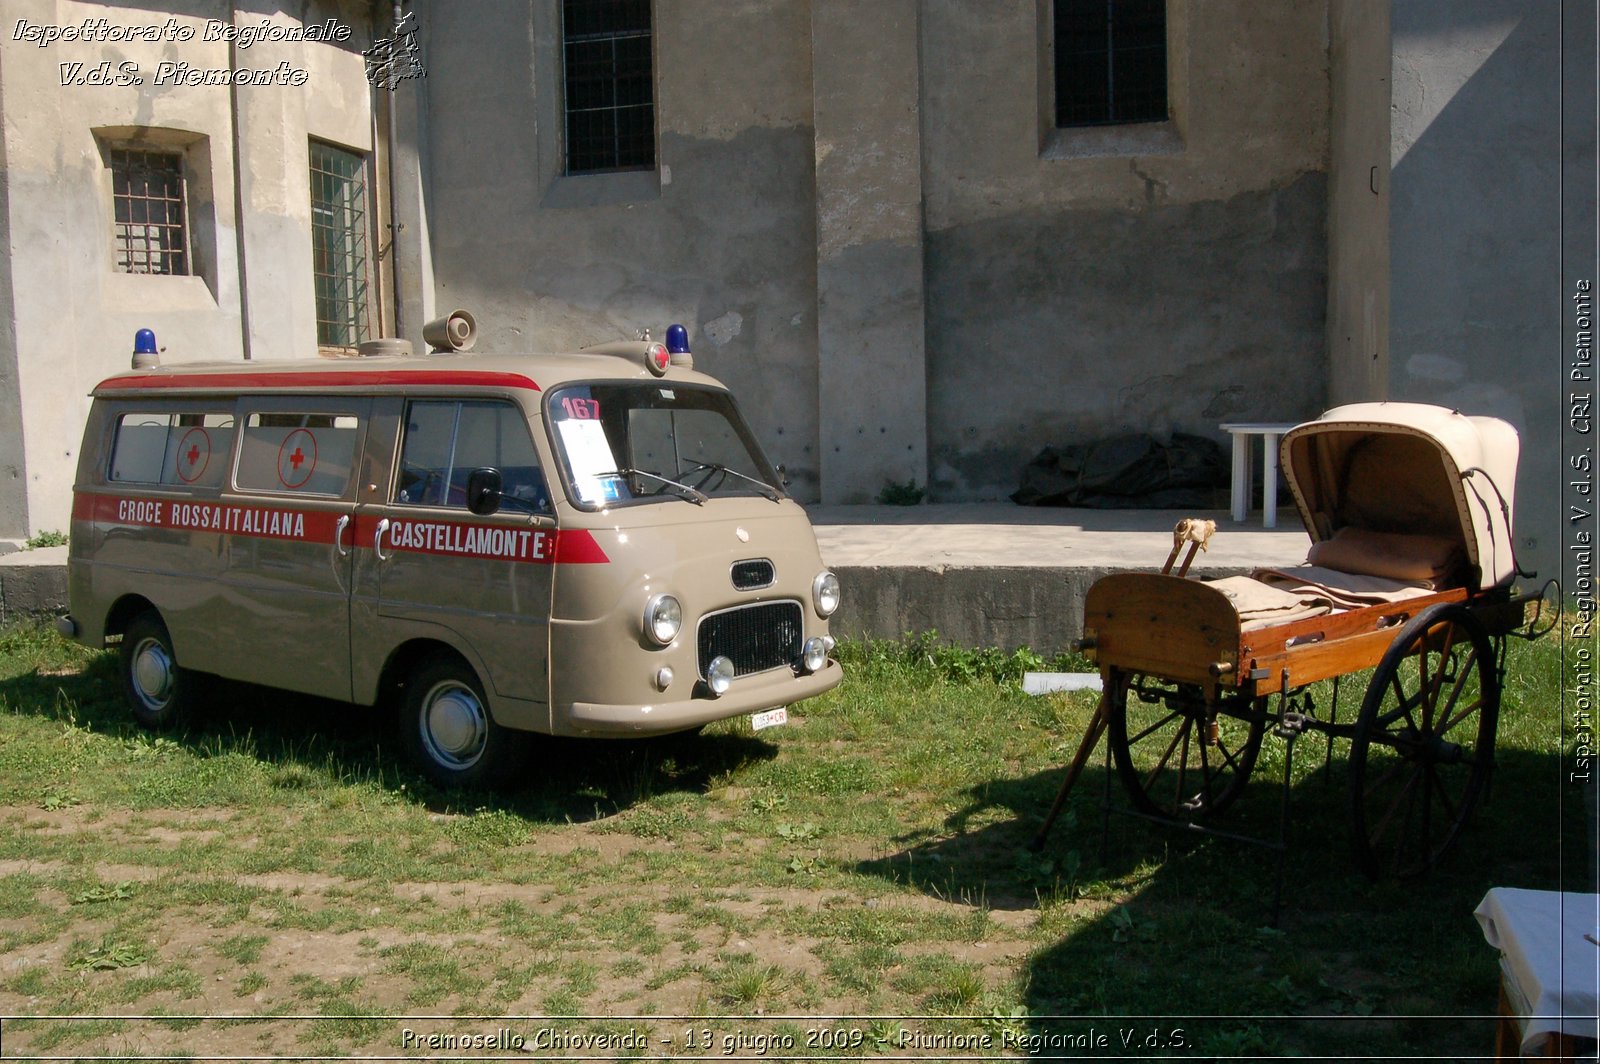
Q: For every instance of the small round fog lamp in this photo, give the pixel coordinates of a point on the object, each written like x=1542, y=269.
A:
x=719, y=675
x=816, y=654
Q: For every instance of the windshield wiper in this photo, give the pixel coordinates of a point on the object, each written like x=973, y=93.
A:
x=694, y=496
x=762, y=486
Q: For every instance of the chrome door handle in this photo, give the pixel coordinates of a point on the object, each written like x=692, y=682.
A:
x=338, y=535
x=377, y=539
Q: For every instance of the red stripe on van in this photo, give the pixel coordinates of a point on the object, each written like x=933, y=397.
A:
x=464, y=378
x=420, y=535
x=225, y=518
x=578, y=547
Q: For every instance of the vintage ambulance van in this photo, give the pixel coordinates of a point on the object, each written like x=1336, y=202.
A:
x=578, y=544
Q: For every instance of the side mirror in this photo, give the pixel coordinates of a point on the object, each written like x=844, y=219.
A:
x=483, y=491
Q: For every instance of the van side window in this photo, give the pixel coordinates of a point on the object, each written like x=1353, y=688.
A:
x=178, y=449
x=445, y=440
x=307, y=454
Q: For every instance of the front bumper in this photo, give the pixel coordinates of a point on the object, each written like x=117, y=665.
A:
x=751, y=694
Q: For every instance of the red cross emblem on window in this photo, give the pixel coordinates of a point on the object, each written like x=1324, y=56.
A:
x=194, y=454
x=297, y=458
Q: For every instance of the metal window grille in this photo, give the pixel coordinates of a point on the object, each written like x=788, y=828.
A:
x=149, y=213
x=610, y=103
x=1111, y=61
x=339, y=245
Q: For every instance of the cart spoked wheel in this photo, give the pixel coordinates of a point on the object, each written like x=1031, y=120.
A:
x=1177, y=757
x=1424, y=744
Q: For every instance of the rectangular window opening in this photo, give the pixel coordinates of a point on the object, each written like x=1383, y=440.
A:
x=149, y=213
x=1110, y=62
x=339, y=226
x=609, y=85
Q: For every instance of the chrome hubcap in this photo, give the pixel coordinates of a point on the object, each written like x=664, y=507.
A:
x=455, y=726
x=152, y=674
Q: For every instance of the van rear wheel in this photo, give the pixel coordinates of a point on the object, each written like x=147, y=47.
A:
x=447, y=730
x=160, y=692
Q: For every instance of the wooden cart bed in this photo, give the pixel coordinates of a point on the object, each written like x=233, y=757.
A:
x=1191, y=631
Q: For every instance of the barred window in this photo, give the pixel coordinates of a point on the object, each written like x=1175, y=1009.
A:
x=609, y=81
x=1111, y=62
x=339, y=244
x=149, y=212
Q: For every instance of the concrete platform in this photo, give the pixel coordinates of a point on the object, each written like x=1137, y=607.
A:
x=33, y=583
x=981, y=574
x=997, y=574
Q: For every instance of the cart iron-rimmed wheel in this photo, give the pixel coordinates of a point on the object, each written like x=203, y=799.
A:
x=448, y=731
x=1178, y=758
x=159, y=691
x=1423, y=749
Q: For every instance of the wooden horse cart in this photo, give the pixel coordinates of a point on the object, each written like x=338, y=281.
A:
x=1410, y=572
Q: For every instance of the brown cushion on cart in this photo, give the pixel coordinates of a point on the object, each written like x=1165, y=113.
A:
x=1391, y=555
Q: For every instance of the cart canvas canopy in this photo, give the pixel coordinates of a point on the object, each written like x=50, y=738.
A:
x=1404, y=470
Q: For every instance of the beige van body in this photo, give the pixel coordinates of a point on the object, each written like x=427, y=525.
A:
x=307, y=526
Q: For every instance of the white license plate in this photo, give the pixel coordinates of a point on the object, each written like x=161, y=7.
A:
x=770, y=719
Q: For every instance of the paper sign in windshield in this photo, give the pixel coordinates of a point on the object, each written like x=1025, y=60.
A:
x=589, y=455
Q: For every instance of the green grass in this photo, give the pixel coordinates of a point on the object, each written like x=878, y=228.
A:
x=869, y=859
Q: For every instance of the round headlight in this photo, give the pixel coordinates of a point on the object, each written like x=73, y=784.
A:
x=815, y=655
x=719, y=675
x=663, y=617
x=825, y=593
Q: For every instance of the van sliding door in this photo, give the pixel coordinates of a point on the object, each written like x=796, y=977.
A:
x=288, y=538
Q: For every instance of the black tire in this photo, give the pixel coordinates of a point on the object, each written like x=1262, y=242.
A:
x=1177, y=758
x=159, y=691
x=448, y=731
x=1423, y=750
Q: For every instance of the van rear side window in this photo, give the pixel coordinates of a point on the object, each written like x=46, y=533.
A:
x=181, y=449
x=307, y=454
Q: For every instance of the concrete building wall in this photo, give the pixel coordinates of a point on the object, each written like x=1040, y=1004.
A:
x=1085, y=282
x=722, y=236
x=871, y=306
x=1475, y=225
x=72, y=314
x=1358, y=201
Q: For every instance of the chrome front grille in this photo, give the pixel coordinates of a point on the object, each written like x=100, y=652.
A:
x=767, y=635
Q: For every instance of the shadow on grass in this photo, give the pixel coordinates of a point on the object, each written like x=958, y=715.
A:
x=565, y=780
x=1162, y=940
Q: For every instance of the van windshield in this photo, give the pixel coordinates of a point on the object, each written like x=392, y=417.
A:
x=623, y=442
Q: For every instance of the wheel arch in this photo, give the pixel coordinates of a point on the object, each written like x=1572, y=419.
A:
x=124, y=610
x=405, y=658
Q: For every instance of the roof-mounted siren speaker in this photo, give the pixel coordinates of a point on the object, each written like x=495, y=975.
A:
x=456, y=331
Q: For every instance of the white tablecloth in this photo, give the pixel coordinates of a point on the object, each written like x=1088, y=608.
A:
x=1545, y=958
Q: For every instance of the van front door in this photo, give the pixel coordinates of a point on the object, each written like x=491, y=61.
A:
x=287, y=536
x=435, y=571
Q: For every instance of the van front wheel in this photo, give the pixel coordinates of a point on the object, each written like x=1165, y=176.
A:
x=159, y=691
x=447, y=729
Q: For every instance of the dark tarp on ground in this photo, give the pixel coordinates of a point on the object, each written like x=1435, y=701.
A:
x=1129, y=472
